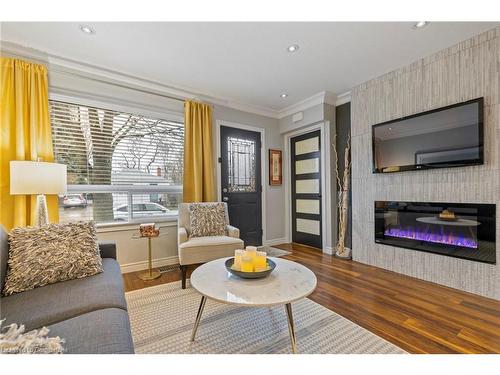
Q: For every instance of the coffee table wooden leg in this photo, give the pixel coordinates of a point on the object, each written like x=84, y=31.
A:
x=291, y=328
x=198, y=317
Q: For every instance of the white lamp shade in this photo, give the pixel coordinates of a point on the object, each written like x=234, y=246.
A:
x=36, y=177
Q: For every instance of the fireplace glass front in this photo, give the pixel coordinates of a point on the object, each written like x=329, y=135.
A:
x=462, y=230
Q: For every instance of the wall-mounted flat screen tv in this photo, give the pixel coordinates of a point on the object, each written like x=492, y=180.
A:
x=446, y=137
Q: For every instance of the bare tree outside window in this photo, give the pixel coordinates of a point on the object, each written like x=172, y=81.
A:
x=106, y=147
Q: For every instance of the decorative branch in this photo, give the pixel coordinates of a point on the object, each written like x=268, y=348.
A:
x=343, y=199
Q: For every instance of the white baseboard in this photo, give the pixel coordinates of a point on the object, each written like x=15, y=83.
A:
x=328, y=250
x=143, y=265
x=275, y=241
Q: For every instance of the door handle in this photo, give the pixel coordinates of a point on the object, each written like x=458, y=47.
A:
x=225, y=199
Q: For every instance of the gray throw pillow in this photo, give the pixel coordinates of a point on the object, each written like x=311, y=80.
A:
x=207, y=219
x=51, y=253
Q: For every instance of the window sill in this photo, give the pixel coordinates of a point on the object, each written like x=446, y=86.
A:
x=134, y=225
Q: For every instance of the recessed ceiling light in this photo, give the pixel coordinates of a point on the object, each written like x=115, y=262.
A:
x=284, y=96
x=87, y=29
x=420, y=24
x=293, y=48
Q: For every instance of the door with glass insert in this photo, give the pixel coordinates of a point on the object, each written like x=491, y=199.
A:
x=306, y=189
x=241, y=181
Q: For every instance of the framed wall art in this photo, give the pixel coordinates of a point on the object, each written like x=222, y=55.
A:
x=275, y=167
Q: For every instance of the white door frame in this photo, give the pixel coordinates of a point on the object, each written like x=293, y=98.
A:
x=326, y=210
x=218, y=124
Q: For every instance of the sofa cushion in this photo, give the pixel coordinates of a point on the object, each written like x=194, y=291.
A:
x=104, y=331
x=56, y=302
x=207, y=219
x=44, y=255
x=204, y=249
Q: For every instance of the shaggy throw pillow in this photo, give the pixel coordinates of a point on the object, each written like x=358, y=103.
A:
x=13, y=340
x=51, y=253
x=207, y=219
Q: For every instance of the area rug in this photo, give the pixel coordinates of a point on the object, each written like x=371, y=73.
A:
x=274, y=251
x=162, y=318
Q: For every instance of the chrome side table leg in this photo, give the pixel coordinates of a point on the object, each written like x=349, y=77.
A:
x=198, y=317
x=291, y=328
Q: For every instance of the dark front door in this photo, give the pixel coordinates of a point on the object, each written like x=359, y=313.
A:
x=241, y=181
x=306, y=189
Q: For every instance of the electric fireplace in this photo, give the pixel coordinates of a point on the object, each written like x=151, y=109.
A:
x=462, y=230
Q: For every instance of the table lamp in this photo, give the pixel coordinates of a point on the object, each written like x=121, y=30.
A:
x=40, y=178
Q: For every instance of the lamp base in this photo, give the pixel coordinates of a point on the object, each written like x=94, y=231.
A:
x=149, y=275
x=41, y=213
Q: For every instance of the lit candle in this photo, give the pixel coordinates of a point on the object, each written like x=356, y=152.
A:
x=246, y=263
x=238, y=254
x=260, y=261
x=251, y=251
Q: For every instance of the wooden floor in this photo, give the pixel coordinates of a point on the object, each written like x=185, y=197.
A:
x=416, y=315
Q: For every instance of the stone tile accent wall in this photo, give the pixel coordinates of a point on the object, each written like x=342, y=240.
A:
x=465, y=71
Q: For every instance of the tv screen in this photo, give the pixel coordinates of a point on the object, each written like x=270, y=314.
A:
x=451, y=136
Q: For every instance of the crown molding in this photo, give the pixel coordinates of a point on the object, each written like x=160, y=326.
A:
x=319, y=98
x=58, y=64
x=62, y=65
x=343, y=98
x=330, y=98
x=66, y=66
x=18, y=51
x=83, y=70
x=256, y=110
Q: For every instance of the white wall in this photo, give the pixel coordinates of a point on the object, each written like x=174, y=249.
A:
x=311, y=115
x=132, y=254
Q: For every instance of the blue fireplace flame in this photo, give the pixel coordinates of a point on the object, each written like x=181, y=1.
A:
x=441, y=238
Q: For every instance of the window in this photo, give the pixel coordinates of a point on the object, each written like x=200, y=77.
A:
x=115, y=161
x=241, y=157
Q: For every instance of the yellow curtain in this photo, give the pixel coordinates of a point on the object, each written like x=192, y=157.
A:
x=25, y=135
x=198, y=156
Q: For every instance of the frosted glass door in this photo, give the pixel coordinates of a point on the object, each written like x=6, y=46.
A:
x=306, y=189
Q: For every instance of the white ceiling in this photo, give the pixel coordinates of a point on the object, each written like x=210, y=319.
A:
x=246, y=62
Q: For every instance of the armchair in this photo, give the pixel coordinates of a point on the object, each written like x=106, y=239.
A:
x=197, y=250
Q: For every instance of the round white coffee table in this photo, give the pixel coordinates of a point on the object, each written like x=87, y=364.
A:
x=288, y=282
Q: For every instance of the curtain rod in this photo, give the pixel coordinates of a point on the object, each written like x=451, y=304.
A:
x=118, y=85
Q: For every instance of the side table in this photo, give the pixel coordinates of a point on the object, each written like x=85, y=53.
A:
x=149, y=274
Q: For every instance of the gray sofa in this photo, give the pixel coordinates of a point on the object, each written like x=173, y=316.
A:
x=89, y=313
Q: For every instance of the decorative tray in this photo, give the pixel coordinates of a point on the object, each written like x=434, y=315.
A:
x=250, y=275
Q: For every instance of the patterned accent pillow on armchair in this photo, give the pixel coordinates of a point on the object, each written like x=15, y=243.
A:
x=207, y=219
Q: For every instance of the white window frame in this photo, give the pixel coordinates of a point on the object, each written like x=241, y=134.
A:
x=127, y=189
x=130, y=190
